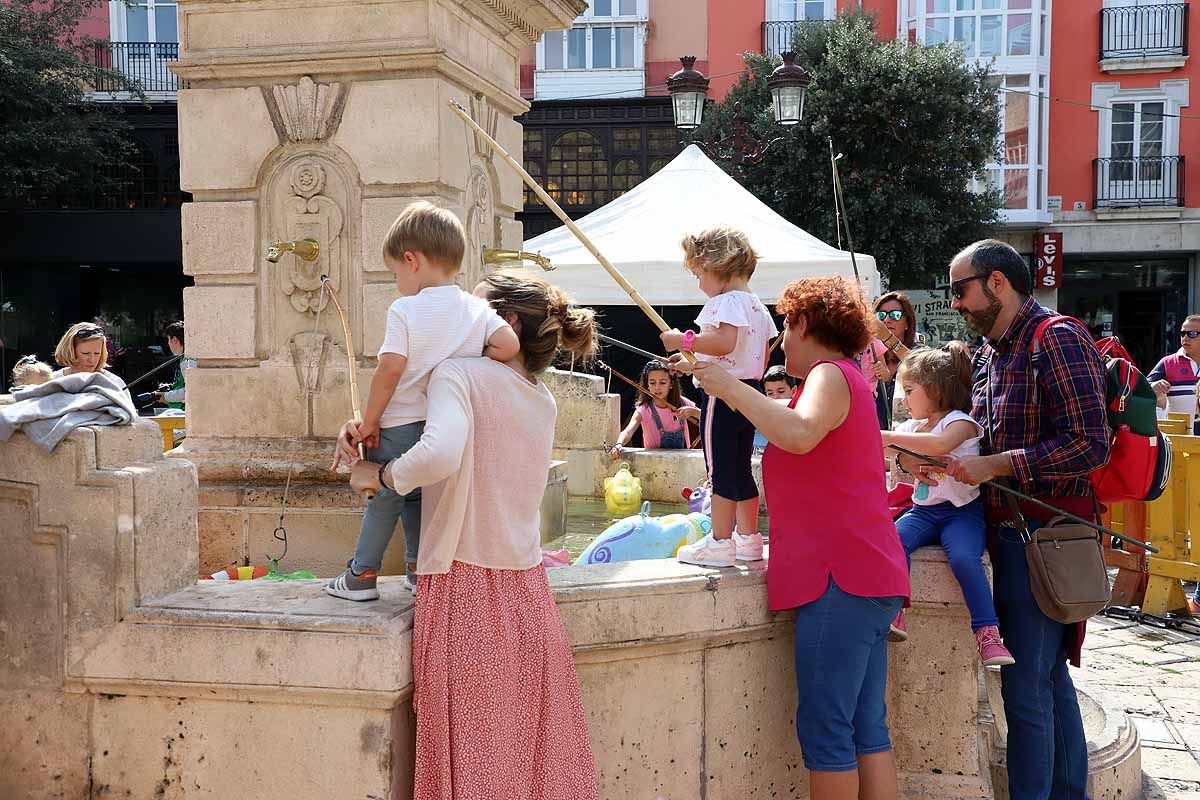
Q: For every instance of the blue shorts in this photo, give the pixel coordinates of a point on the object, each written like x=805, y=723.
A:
x=841, y=678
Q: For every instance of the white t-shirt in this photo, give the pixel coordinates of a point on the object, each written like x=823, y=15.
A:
x=948, y=489
x=755, y=327
x=431, y=326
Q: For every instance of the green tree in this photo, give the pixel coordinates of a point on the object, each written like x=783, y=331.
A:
x=52, y=135
x=915, y=125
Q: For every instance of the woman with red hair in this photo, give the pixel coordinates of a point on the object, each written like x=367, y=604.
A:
x=842, y=570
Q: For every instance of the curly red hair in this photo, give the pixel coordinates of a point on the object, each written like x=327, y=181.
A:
x=834, y=312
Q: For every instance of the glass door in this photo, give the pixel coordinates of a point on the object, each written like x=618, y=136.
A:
x=151, y=41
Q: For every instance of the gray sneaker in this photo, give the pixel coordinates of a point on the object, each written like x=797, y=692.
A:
x=410, y=583
x=349, y=586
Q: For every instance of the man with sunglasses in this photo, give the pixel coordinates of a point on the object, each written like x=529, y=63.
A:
x=1045, y=431
x=1175, y=377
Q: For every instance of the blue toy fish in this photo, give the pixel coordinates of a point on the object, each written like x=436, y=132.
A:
x=643, y=536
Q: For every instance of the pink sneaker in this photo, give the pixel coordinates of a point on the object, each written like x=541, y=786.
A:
x=898, y=632
x=992, y=651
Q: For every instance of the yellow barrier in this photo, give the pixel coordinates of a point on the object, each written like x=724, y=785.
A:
x=1170, y=523
x=168, y=426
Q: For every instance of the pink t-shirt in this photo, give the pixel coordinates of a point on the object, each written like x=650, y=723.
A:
x=670, y=424
x=851, y=535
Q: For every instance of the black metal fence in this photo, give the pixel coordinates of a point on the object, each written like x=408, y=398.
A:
x=777, y=36
x=1140, y=31
x=1139, y=182
x=142, y=62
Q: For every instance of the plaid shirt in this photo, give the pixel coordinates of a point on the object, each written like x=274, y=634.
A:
x=1054, y=424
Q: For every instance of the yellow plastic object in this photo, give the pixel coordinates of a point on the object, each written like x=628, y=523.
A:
x=622, y=492
x=168, y=426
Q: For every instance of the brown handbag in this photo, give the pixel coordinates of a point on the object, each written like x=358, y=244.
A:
x=1067, y=573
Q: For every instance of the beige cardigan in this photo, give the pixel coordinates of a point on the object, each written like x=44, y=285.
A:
x=483, y=459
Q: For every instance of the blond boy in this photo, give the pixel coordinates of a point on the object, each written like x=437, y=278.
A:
x=432, y=321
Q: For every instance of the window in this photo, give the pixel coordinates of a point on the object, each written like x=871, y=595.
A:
x=662, y=141
x=800, y=10
x=614, y=8
x=591, y=47
x=150, y=21
x=626, y=175
x=1137, y=141
x=983, y=28
x=577, y=171
x=626, y=140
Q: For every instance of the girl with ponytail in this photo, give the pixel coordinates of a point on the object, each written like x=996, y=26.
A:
x=937, y=390
x=484, y=606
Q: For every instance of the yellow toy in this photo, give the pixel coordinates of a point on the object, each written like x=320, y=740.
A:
x=623, y=492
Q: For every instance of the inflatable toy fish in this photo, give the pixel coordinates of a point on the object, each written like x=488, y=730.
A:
x=622, y=492
x=643, y=536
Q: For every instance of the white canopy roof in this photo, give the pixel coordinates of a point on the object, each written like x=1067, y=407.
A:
x=640, y=231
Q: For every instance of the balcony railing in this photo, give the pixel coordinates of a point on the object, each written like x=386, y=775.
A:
x=1142, y=31
x=1139, y=182
x=777, y=36
x=143, y=62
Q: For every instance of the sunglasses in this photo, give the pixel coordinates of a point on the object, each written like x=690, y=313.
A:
x=1189, y=334
x=89, y=333
x=896, y=315
x=956, y=288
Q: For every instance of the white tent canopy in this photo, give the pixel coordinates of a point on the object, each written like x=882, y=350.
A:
x=640, y=231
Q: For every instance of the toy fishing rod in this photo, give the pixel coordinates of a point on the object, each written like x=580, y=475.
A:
x=163, y=365
x=637, y=350
x=1016, y=493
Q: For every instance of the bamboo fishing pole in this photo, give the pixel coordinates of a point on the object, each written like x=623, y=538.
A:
x=613, y=272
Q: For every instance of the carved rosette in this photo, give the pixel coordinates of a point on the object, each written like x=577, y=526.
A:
x=309, y=213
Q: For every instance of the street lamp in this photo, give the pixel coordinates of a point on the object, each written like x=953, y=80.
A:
x=688, y=87
x=788, y=84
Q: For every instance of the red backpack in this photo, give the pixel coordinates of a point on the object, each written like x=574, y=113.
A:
x=1139, y=462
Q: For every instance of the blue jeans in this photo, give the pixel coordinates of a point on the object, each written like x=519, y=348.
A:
x=841, y=678
x=961, y=532
x=1047, y=750
x=388, y=508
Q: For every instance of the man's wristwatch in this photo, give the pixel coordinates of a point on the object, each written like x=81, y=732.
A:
x=383, y=467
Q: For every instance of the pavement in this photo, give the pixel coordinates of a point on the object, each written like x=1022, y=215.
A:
x=1154, y=674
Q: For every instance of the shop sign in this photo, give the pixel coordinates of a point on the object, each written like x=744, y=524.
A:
x=1048, y=252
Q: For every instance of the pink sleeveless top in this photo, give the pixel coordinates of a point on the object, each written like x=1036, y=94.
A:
x=829, y=512
x=670, y=423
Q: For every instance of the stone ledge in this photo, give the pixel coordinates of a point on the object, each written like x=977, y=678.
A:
x=1143, y=64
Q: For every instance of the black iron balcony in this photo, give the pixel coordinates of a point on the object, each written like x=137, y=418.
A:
x=144, y=63
x=1144, y=31
x=777, y=36
x=1139, y=182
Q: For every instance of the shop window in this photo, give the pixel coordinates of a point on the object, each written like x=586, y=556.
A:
x=627, y=174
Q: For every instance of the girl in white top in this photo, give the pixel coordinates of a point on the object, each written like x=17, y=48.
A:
x=937, y=390
x=484, y=606
x=735, y=331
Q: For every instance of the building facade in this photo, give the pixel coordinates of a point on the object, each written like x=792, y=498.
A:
x=116, y=256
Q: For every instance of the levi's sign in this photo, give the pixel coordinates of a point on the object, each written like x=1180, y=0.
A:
x=1048, y=274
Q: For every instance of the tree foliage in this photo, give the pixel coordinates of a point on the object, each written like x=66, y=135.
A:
x=915, y=124
x=52, y=135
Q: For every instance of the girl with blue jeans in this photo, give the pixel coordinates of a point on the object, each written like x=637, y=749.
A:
x=937, y=389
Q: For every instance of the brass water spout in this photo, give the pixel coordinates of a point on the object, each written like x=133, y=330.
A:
x=306, y=249
x=492, y=256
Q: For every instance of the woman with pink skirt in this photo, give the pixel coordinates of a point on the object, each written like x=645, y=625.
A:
x=498, y=705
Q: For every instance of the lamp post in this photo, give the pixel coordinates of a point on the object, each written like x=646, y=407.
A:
x=688, y=89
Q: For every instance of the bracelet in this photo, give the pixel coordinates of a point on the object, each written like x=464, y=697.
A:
x=382, y=468
x=689, y=341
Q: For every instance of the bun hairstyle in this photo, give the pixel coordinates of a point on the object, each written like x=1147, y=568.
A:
x=548, y=321
x=944, y=373
x=722, y=250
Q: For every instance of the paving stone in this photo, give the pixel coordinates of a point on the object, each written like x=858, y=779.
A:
x=1144, y=654
x=1136, y=700
x=1158, y=789
x=1155, y=731
x=1190, y=734
x=1176, y=765
x=1182, y=705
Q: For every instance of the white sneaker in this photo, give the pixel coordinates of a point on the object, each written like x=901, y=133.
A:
x=709, y=552
x=410, y=583
x=749, y=548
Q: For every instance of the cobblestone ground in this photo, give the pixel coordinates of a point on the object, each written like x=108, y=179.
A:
x=1154, y=674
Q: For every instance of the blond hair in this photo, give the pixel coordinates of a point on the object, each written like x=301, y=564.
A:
x=548, y=320
x=722, y=250
x=424, y=228
x=944, y=373
x=64, y=354
x=28, y=371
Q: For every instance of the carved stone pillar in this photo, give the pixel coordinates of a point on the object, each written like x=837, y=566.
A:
x=324, y=122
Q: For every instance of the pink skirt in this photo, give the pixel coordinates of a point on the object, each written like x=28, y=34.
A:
x=499, y=711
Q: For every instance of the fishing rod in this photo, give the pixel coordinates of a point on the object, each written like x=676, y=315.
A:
x=141, y=378
x=639, y=351
x=676, y=409
x=1016, y=493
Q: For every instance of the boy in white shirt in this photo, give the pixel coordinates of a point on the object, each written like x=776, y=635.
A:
x=432, y=321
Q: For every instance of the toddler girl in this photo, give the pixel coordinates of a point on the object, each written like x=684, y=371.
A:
x=735, y=331
x=28, y=371
x=937, y=390
x=662, y=428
